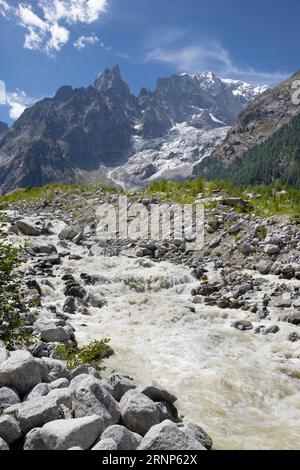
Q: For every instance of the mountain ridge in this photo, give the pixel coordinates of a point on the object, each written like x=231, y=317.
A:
x=86, y=133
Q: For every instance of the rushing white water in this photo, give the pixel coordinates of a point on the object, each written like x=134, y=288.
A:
x=244, y=389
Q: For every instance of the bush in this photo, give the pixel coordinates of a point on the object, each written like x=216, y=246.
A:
x=91, y=354
x=11, y=305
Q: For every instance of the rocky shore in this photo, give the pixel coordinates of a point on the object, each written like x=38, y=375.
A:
x=249, y=268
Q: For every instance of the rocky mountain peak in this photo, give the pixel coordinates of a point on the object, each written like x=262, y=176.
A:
x=110, y=80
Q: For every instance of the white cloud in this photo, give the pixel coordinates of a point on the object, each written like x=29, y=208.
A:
x=4, y=8
x=84, y=41
x=48, y=22
x=17, y=102
x=209, y=56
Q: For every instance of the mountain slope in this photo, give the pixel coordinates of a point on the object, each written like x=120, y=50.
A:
x=103, y=132
x=255, y=144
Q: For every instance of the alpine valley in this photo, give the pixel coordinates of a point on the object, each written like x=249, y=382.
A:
x=105, y=134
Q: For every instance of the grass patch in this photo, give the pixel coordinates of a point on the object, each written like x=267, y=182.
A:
x=49, y=191
x=92, y=354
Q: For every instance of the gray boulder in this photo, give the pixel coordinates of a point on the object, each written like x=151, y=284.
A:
x=155, y=392
x=263, y=267
x=68, y=233
x=54, y=334
x=91, y=398
x=4, y=354
x=34, y=440
x=9, y=429
x=168, y=436
x=139, y=413
x=40, y=390
x=271, y=249
x=67, y=433
x=120, y=384
x=106, y=444
x=27, y=229
x=199, y=434
x=35, y=413
x=8, y=397
x=22, y=372
x=125, y=439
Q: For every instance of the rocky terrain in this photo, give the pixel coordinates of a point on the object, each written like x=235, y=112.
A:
x=224, y=319
x=104, y=133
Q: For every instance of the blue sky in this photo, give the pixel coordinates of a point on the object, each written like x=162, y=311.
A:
x=48, y=43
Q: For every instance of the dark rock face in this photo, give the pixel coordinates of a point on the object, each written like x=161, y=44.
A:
x=3, y=128
x=81, y=130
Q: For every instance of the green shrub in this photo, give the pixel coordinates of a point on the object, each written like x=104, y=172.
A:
x=11, y=302
x=91, y=354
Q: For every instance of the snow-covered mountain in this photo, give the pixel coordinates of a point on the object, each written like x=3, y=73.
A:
x=105, y=133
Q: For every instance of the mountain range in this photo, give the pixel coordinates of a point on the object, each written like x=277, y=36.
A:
x=103, y=133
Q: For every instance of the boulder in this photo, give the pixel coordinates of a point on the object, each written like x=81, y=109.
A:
x=242, y=325
x=271, y=249
x=199, y=434
x=120, y=384
x=8, y=397
x=294, y=318
x=91, y=398
x=67, y=433
x=22, y=372
x=34, y=440
x=106, y=444
x=27, y=229
x=54, y=334
x=139, y=413
x=9, y=429
x=40, y=390
x=4, y=354
x=168, y=436
x=68, y=233
x=125, y=439
x=35, y=413
x=155, y=392
x=263, y=267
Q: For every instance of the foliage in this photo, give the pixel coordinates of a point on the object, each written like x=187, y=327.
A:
x=11, y=305
x=91, y=354
x=275, y=160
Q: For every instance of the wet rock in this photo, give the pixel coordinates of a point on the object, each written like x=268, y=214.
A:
x=64, y=434
x=294, y=337
x=168, y=436
x=68, y=233
x=272, y=330
x=282, y=302
x=243, y=325
x=155, y=392
x=294, y=318
x=70, y=305
x=199, y=434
